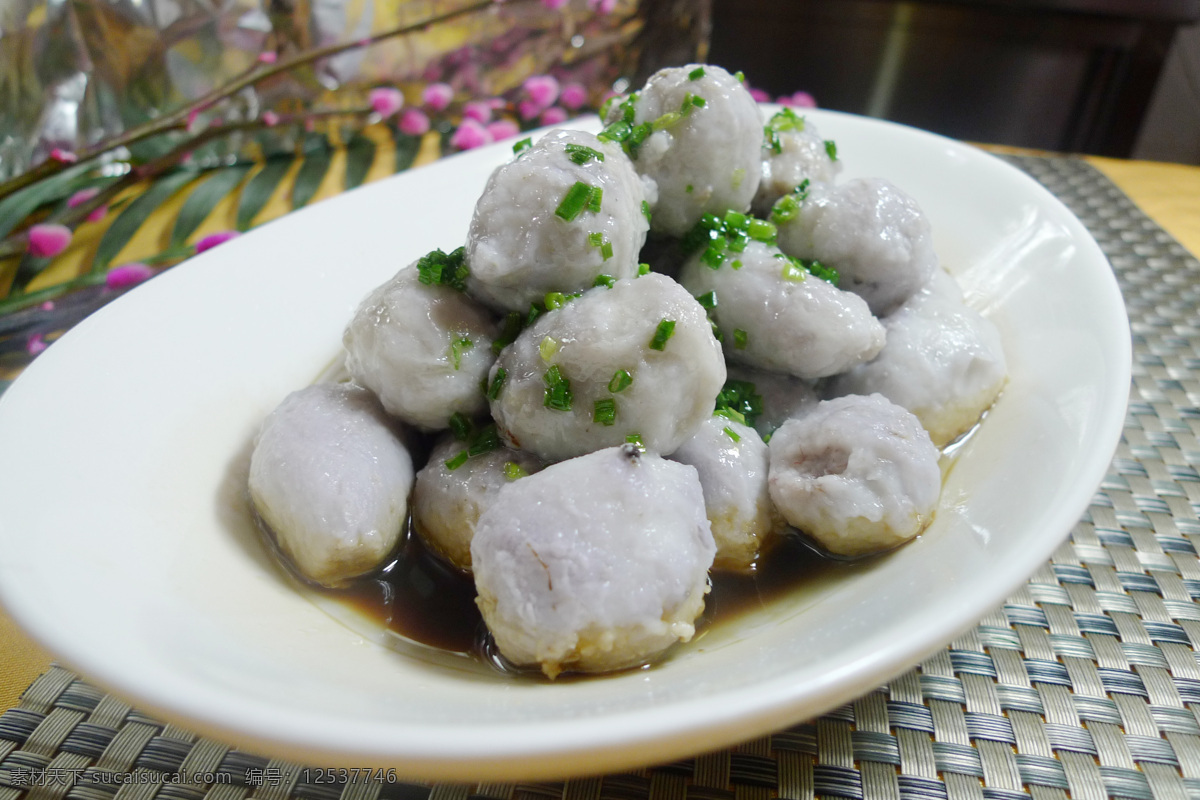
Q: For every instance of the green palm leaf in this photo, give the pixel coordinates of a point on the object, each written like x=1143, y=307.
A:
x=203, y=200
x=131, y=218
x=360, y=155
x=259, y=190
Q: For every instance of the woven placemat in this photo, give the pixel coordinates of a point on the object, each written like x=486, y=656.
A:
x=1084, y=684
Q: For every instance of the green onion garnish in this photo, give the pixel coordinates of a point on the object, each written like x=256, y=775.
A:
x=547, y=348
x=458, y=346
x=762, y=231
x=617, y=132
x=535, y=311
x=522, y=146
x=793, y=270
x=513, y=323
x=606, y=251
x=739, y=76
x=621, y=380
x=786, y=208
x=646, y=210
x=740, y=339
x=513, y=470
x=708, y=300
x=581, y=154
x=821, y=271
x=558, y=390
x=831, y=149
x=784, y=120
x=732, y=434
x=635, y=438
x=801, y=191
x=460, y=425
x=604, y=280
x=594, y=199
x=574, y=201
x=493, y=389
x=485, y=440
x=643, y=268
x=739, y=400
x=737, y=264
x=604, y=411
x=444, y=269
x=664, y=331
x=666, y=121
x=696, y=74
x=595, y=239
x=730, y=413
x=457, y=461
x=689, y=188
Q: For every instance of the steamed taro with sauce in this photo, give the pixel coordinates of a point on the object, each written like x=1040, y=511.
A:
x=593, y=439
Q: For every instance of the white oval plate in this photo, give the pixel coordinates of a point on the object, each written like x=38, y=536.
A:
x=129, y=552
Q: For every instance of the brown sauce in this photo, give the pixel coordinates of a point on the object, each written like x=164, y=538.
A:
x=420, y=598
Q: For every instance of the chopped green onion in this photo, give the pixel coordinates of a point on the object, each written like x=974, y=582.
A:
x=739, y=76
x=696, y=74
x=689, y=188
x=666, y=121
x=493, y=389
x=741, y=400
x=460, y=425
x=604, y=280
x=513, y=470
x=621, y=380
x=604, y=411
x=737, y=264
x=793, y=270
x=786, y=208
x=581, y=153
x=732, y=434
x=547, y=348
x=554, y=300
x=444, y=269
x=574, y=201
x=762, y=231
x=801, y=191
x=595, y=239
x=714, y=254
x=821, y=271
x=831, y=149
x=457, y=461
x=617, y=132
x=485, y=440
x=784, y=120
x=606, y=251
x=735, y=220
x=664, y=331
x=594, y=199
x=458, y=346
x=708, y=300
x=636, y=137
x=535, y=311
x=740, y=339
x=522, y=146
x=635, y=438
x=646, y=210
x=508, y=332
x=643, y=268
x=558, y=390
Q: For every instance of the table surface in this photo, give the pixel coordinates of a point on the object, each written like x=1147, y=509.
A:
x=1095, y=693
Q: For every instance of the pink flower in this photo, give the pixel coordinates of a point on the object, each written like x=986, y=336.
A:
x=267, y=57
x=470, y=135
x=63, y=156
x=554, y=115
x=528, y=109
x=193, y=121
x=573, y=95
x=127, y=275
x=83, y=196
x=386, y=101
x=47, y=306
x=503, y=129
x=270, y=119
x=214, y=239
x=554, y=5
x=48, y=240
x=542, y=89
x=760, y=96
x=602, y=6
x=414, y=122
x=798, y=100
x=438, y=95
x=35, y=344
x=478, y=110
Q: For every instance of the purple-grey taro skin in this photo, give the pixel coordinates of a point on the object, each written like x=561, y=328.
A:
x=858, y=474
x=943, y=361
x=596, y=563
x=871, y=232
x=447, y=500
x=422, y=349
x=789, y=321
x=731, y=460
x=520, y=246
x=707, y=161
x=330, y=477
x=671, y=381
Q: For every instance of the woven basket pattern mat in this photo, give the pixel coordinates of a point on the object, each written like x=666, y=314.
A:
x=1085, y=684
